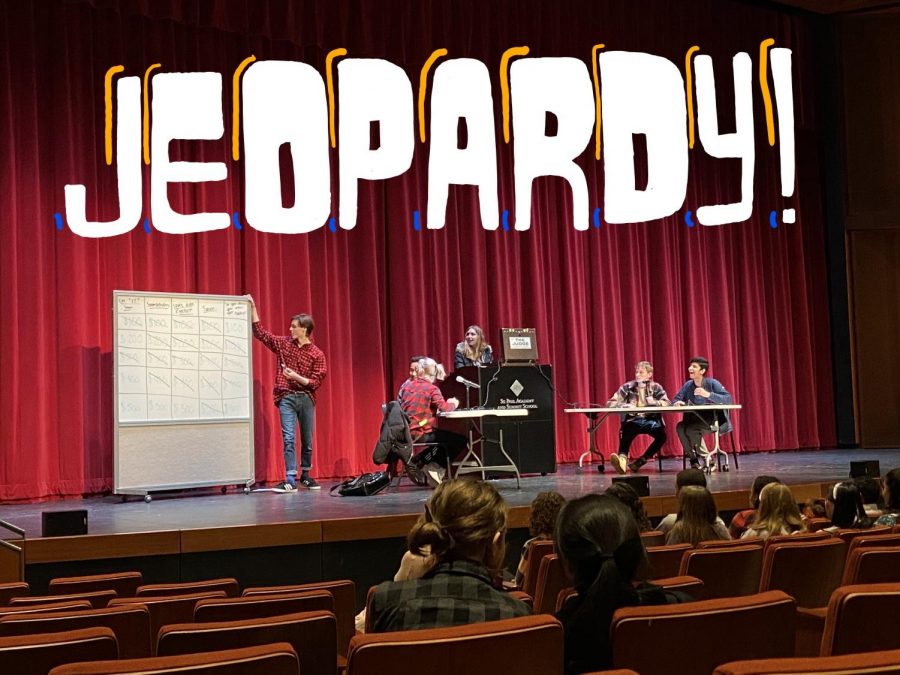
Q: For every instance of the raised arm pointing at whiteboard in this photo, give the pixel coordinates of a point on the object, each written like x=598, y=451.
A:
x=301, y=370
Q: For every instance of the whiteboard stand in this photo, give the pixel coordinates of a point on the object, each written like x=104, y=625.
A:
x=183, y=398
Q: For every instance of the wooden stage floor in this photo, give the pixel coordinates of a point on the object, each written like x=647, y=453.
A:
x=319, y=535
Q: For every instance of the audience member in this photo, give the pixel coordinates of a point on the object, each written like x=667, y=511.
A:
x=697, y=519
x=871, y=496
x=845, y=507
x=464, y=524
x=778, y=513
x=542, y=522
x=683, y=479
x=630, y=498
x=891, y=493
x=743, y=519
x=600, y=545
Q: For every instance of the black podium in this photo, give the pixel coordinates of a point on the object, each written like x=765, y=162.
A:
x=529, y=441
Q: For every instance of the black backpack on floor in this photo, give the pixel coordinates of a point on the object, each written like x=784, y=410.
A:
x=366, y=485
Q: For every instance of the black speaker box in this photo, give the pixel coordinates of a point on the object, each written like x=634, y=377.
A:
x=869, y=468
x=64, y=523
x=641, y=484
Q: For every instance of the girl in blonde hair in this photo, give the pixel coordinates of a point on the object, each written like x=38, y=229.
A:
x=778, y=513
x=463, y=529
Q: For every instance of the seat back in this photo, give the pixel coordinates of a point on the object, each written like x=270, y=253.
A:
x=855, y=664
x=871, y=540
x=653, y=538
x=229, y=586
x=125, y=584
x=859, y=619
x=258, y=606
x=665, y=561
x=129, y=623
x=274, y=659
x=98, y=599
x=799, y=537
x=848, y=534
x=313, y=635
x=552, y=578
x=731, y=543
x=816, y=524
x=727, y=571
x=343, y=591
x=14, y=589
x=47, y=607
x=809, y=571
x=165, y=609
x=537, y=549
x=529, y=644
x=37, y=654
x=872, y=565
x=764, y=622
x=684, y=583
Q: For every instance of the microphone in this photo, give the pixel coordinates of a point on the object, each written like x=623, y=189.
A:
x=468, y=383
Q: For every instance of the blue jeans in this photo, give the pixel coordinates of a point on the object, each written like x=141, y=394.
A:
x=296, y=409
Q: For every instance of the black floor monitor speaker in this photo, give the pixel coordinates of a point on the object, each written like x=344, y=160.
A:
x=64, y=523
x=641, y=484
x=869, y=468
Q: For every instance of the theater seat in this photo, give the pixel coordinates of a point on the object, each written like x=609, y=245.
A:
x=14, y=589
x=809, y=571
x=714, y=632
x=536, y=552
x=529, y=644
x=872, y=565
x=727, y=571
x=552, y=578
x=168, y=609
x=257, y=606
x=46, y=607
x=98, y=599
x=849, y=534
x=229, y=586
x=273, y=659
x=862, y=618
x=37, y=654
x=125, y=584
x=665, y=561
x=855, y=664
x=653, y=538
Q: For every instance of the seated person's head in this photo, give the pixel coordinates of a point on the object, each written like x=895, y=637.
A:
x=414, y=366
x=544, y=510
x=845, y=505
x=778, y=512
x=630, y=498
x=758, y=484
x=428, y=369
x=891, y=490
x=814, y=508
x=696, y=515
x=870, y=491
x=463, y=520
x=599, y=543
x=689, y=477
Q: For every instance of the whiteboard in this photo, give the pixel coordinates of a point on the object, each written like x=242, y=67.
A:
x=182, y=390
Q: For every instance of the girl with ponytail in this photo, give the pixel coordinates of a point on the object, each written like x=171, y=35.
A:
x=600, y=545
x=463, y=530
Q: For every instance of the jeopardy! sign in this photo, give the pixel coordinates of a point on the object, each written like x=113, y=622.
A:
x=605, y=102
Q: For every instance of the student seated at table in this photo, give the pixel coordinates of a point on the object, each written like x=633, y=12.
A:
x=700, y=390
x=464, y=524
x=642, y=394
x=778, y=513
x=697, y=519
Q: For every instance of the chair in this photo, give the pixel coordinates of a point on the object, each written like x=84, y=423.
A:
x=764, y=622
x=98, y=599
x=166, y=609
x=312, y=635
x=536, y=552
x=653, y=538
x=816, y=524
x=807, y=570
x=274, y=659
x=684, y=583
x=14, y=589
x=528, y=644
x=795, y=538
x=726, y=571
x=858, y=619
x=731, y=543
x=552, y=578
x=665, y=561
x=404, y=446
x=705, y=454
x=37, y=654
x=872, y=565
x=344, y=593
x=849, y=534
x=48, y=607
x=125, y=584
x=129, y=623
x=258, y=606
x=868, y=541
x=855, y=664
x=229, y=586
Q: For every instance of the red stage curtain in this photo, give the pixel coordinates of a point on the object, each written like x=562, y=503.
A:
x=751, y=298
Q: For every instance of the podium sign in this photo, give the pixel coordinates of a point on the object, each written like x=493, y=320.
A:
x=530, y=441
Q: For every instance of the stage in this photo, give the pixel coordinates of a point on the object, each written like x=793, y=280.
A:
x=271, y=538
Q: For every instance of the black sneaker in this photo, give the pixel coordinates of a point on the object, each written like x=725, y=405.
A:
x=310, y=483
x=636, y=465
x=285, y=487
